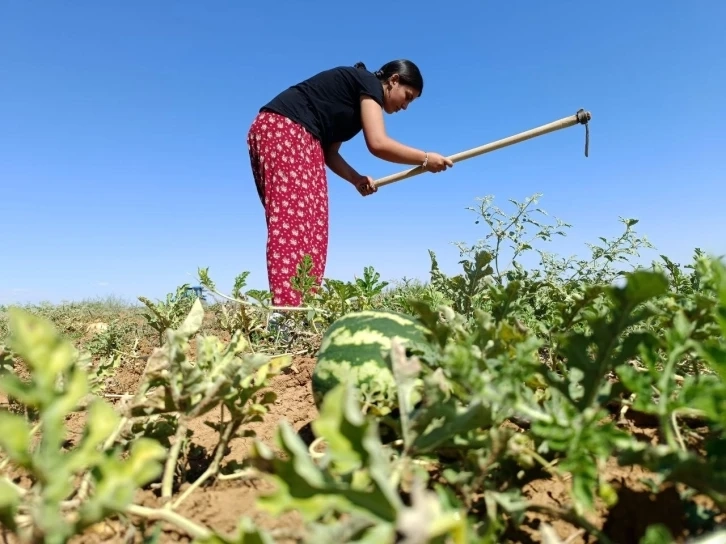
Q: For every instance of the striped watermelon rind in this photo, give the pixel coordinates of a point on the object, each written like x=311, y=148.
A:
x=355, y=348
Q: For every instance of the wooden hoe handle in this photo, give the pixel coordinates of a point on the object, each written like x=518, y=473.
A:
x=581, y=117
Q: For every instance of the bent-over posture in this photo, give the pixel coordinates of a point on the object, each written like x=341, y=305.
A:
x=299, y=132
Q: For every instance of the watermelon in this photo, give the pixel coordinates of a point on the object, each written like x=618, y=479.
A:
x=356, y=346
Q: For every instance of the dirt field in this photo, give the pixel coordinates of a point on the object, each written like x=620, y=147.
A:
x=220, y=504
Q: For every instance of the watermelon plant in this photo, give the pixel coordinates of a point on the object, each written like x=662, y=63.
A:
x=441, y=403
x=483, y=373
x=522, y=373
x=124, y=448
x=356, y=482
x=58, y=385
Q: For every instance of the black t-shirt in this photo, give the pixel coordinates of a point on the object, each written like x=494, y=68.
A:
x=328, y=104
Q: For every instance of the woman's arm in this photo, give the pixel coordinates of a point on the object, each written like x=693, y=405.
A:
x=338, y=164
x=388, y=149
x=364, y=184
x=379, y=143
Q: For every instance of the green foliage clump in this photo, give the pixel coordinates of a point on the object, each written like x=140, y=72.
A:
x=526, y=371
x=526, y=366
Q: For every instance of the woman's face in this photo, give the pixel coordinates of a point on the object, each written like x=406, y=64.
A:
x=397, y=96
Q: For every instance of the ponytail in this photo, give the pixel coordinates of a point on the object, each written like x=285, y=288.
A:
x=407, y=71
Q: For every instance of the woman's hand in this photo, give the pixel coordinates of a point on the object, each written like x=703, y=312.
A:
x=365, y=185
x=437, y=163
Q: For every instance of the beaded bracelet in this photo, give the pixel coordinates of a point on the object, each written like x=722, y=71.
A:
x=426, y=160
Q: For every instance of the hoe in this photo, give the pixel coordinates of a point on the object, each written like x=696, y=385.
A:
x=581, y=117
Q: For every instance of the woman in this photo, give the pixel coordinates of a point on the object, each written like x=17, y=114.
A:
x=299, y=132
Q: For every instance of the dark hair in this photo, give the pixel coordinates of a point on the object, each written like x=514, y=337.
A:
x=408, y=73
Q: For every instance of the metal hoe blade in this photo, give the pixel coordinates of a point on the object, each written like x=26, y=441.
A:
x=582, y=117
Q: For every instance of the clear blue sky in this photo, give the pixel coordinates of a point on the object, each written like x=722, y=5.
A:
x=124, y=167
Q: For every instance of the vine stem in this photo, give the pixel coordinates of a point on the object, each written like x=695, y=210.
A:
x=403, y=374
x=677, y=431
x=668, y=421
x=315, y=443
x=548, y=467
x=168, y=478
x=229, y=430
x=191, y=528
x=164, y=514
x=240, y=474
x=269, y=308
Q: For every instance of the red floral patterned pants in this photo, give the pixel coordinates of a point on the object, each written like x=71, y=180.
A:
x=288, y=166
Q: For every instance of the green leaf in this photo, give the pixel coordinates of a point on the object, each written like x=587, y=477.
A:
x=640, y=286
x=116, y=480
x=314, y=491
x=193, y=322
x=300, y=484
x=46, y=353
x=15, y=438
x=450, y=421
x=341, y=424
